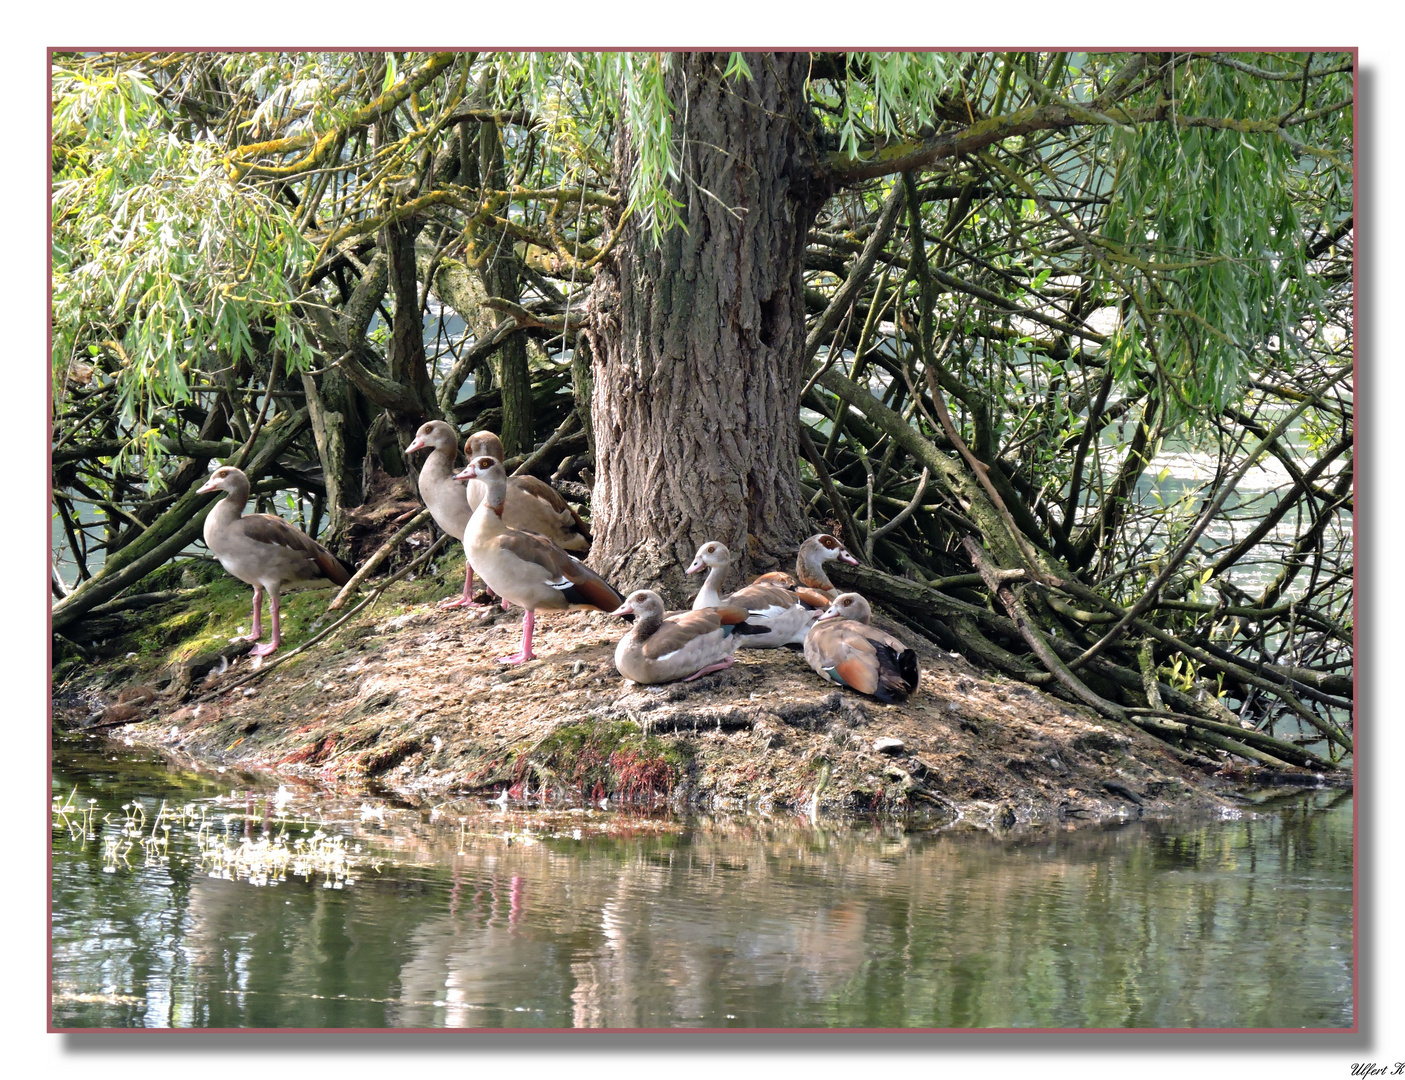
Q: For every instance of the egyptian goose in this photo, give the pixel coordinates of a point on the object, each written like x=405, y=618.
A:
x=264, y=551
x=786, y=613
x=532, y=505
x=444, y=495
x=844, y=648
x=523, y=568
x=684, y=645
x=809, y=566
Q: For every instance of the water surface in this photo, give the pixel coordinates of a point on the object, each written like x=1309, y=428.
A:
x=468, y=915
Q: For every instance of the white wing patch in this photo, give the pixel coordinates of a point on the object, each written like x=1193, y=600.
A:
x=561, y=584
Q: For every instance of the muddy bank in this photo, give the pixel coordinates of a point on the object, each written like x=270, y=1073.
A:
x=409, y=697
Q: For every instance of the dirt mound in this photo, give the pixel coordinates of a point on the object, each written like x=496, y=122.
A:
x=413, y=699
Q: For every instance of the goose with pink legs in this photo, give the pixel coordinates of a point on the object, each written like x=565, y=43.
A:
x=444, y=495
x=264, y=551
x=523, y=568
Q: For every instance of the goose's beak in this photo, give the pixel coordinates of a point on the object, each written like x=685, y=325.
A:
x=468, y=474
x=624, y=609
x=418, y=444
x=210, y=485
x=844, y=556
x=695, y=566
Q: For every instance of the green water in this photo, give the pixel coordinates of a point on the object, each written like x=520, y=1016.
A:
x=471, y=916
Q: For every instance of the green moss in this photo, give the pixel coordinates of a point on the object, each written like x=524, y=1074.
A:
x=178, y=574
x=601, y=758
x=208, y=614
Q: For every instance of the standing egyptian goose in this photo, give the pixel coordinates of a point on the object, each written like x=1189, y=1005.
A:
x=524, y=568
x=844, y=648
x=786, y=613
x=444, y=495
x=532, y=505
x=684, y=645
x=809, y=566
x=264, y=551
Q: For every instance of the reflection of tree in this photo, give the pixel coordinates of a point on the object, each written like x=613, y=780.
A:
x=854, y=929
x=753, y=924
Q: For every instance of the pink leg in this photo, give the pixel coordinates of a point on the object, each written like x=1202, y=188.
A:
x=277, y=639
x=528, y=621
x=721, y=665
x=256, y=631
x=466, y=600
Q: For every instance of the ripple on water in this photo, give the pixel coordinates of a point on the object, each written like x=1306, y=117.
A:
x=491, y=918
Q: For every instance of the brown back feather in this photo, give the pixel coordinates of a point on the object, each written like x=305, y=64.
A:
x=678, y=630
x=591, y=588
x=530, y=485
x=270, y=529
x=763, y=594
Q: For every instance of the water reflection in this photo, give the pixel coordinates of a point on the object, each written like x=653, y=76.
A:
x=570, y=920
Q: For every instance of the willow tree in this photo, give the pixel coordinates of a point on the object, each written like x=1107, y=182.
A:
x=698, y=328
x=950, y=305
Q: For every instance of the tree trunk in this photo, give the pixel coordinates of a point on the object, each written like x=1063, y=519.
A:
x=502, y=278
x=698, y=339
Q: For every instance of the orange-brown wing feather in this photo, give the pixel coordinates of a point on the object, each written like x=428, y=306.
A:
x=891, y=668
x=730, y=615
x=812, y=598
x=845, y=652
x=858, y=672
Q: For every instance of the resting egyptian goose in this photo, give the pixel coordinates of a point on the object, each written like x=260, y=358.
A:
x=809, y=566
x=443, y=495
x=532, y=504
x=264, y=551
x=843, y=648
x=786, y=613
x=524, y=568
x=684, y=645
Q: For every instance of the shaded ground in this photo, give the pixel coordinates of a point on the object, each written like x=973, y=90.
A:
x=409, y=697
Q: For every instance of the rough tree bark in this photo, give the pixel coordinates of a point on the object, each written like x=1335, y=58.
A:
x=698, y=339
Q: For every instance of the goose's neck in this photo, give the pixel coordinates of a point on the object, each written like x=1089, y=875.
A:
x=231, y=507
x=487, y=517
x=438, y=466
x=222, y=515
x=710, y=595
x=809, y=571
x=646, y=624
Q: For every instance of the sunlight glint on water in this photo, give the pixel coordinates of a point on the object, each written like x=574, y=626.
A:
x=741, y=922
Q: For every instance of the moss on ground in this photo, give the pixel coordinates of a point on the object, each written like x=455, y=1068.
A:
x=595, y=758
x=218, y=607
x=412, y=697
